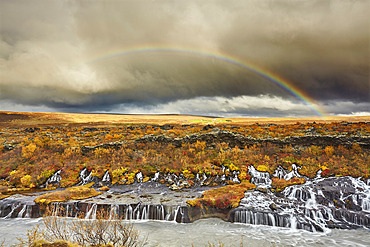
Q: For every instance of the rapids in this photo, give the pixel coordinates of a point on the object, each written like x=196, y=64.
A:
x=199, y=233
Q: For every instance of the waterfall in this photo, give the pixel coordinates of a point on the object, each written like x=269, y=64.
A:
x=259, y=178
x=113, y=212
x=106, y=177
x=129, y=213
x=55, y=179
x=91, y=213
x=20, y=214
x=156, y=177
x=13, y=208
x=139, y=177
x=319, y=204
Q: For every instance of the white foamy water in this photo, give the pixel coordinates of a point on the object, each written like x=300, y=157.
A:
x=199, y=233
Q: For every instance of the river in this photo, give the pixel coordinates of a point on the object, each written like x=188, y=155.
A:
x=199, y=233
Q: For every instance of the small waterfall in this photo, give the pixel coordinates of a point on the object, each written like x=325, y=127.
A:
x=20, y=214
x=293, y=222
x=129, y=213
x=272, y=219
x=235, y=178
x=293, y=173
x=106, y=177
x=259, y=178
x=91, y=213
x=85, y=177
x=28, y=211
x=176, y=212
x=139, y=177
x=150, y=212
x=161, y=212
x=156, y=177
x=136, y=213
x=144, y=214
x=14, y=207
x=55, y=179
x=113, y=212
x=55, y=211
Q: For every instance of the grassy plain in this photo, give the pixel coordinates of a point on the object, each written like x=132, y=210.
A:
x=19, y=119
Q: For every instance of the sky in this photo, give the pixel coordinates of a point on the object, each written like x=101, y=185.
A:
x=217, y=58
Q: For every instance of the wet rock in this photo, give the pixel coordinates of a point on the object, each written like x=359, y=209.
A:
x=273, y=206
x=31, y=130
x=262, y=189
x=90, y=129
x=8, y=147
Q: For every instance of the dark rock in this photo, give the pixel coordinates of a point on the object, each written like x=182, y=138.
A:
x=273, y=206
x=262, y=189
x=31, y=130
x=234, y=139
x=8, y=147
x=208, y=127
x=90, y=129
x=112, y=145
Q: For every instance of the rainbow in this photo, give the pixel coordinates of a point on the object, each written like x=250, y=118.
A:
x=262, y=72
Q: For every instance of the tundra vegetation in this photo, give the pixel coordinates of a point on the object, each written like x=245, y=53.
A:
x=31, y=154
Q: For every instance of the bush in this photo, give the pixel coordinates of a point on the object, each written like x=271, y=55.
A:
x=101, y=231
x=224, y=197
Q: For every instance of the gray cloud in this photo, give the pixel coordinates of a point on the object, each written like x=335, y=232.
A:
x=322, y=47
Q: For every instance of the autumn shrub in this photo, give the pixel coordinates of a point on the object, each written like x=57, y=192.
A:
x=101, y=231
x=228, y=196
x=280, y=184
x=42, y=153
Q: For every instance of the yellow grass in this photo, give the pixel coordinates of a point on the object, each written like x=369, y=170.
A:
x=73, y=193
x=68, y=119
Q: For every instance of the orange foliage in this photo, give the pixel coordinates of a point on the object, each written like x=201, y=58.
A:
x=224, y=197
x=280, y=184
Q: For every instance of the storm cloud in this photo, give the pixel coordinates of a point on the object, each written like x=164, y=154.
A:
x=51, y=56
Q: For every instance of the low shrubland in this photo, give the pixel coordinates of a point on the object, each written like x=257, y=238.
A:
x=66, y=232
x=30, y=156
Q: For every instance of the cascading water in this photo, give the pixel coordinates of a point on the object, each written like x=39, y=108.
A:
x=336, y=202
x=259, y=178
x=319, y=204
x=106, y=177
x=91, y=213
x=55, y=179
x=85, y=177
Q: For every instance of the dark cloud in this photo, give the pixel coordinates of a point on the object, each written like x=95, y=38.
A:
x=47, y=50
